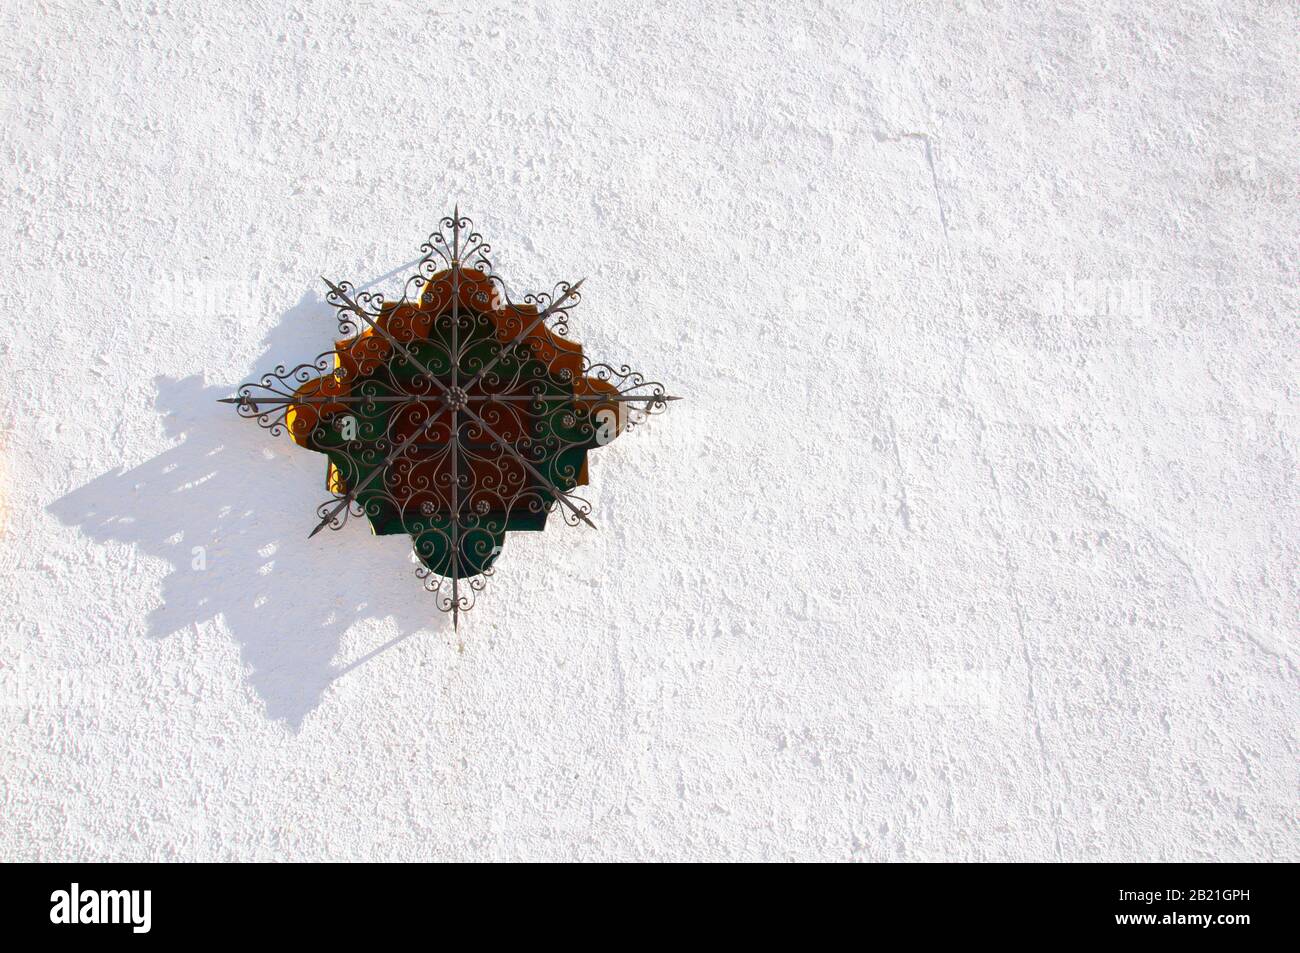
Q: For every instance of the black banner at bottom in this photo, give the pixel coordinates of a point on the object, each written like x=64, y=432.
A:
x=134, y=904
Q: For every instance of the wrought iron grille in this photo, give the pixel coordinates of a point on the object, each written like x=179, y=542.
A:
x=455, y=415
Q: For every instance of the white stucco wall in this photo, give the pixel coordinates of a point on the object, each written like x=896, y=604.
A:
x=975, y=537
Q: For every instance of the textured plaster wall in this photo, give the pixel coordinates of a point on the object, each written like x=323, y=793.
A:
x=975, y=538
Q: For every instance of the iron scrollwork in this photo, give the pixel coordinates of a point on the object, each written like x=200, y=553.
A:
x=455, y=414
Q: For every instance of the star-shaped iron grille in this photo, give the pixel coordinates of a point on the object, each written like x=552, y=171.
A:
x=454, y=415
